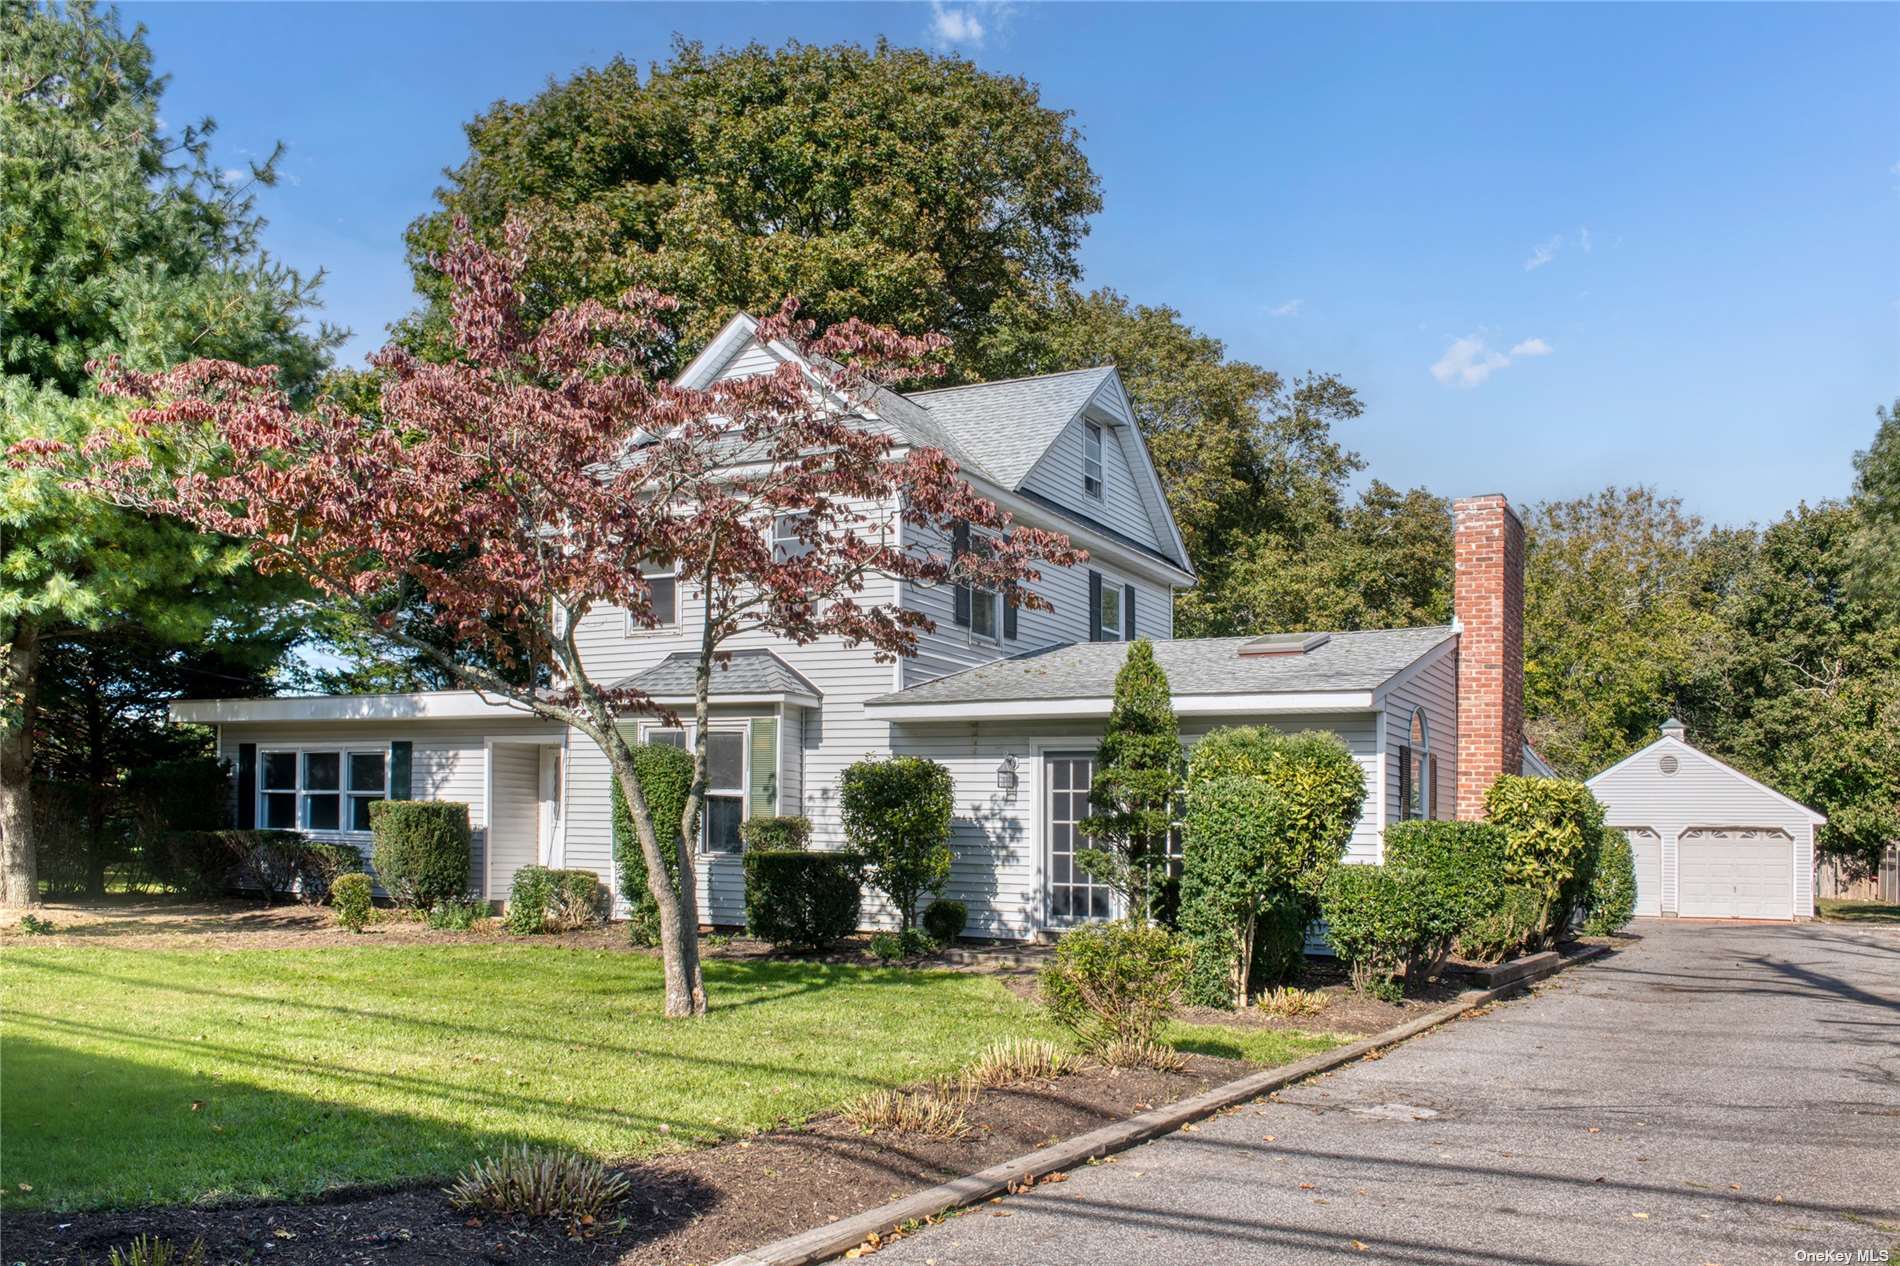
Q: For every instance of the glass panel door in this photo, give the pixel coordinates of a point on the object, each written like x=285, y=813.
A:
x=1073, y=896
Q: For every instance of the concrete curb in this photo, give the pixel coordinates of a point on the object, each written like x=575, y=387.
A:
x=821, y=1244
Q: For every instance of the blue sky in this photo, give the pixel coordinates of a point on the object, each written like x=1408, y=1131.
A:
x=1554, y=247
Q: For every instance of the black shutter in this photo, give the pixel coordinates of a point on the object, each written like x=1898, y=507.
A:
x=1009, y=619
x=399, y=770
x=247, y=786
x=1431, y=788
x=959, y=546
x=1405, y=782
x=1095, y=606
x=1128, y=613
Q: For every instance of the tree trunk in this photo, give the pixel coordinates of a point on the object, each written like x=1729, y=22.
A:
x=679, y=937
x=97, y=780
x=19, y=680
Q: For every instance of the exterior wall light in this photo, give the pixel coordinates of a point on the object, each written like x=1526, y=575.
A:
x=1006, y=773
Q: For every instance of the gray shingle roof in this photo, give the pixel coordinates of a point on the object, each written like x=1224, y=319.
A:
x=1195, y=666
x=751, y=672
x=1011, y=423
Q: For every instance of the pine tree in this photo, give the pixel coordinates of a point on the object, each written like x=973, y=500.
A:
x=1137, y=775
x=118, y=241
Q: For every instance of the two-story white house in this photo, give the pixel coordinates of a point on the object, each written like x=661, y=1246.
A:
x=1011, y=701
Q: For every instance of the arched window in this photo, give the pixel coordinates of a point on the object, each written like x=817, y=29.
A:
x=1416, y=799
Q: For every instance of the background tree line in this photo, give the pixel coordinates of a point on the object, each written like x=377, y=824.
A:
x=890, y=184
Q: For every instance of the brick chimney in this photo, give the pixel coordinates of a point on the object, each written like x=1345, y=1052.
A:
x=1488, y=598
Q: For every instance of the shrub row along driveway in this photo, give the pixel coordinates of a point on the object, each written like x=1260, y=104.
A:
x=1726, y=1094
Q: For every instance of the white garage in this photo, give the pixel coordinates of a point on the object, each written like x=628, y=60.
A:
x=1709, y=841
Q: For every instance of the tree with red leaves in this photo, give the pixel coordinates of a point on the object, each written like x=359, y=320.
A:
x=525, y=482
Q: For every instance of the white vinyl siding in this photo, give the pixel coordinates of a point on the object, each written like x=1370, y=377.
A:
x=514, y=801
x=1431, y=687
x=1059, y=473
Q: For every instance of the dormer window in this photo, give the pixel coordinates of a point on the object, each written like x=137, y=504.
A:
x=1092, y=461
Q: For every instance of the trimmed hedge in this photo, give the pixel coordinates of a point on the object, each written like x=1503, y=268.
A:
x=543, y=899
x=776, y=835
x=794, y=897
x=666, y=776
x=321, y=866
x=1268, y=816
x=195, y=863
x=1552, y=831
x=945, y=920
x=1454, y=876
x=1612, y=901
x=422, y=850
x=1507, y=930
x=351, y=896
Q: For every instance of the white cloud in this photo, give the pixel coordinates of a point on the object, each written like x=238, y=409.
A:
x=1291, y=308
x=955, y=26
x=235, y=175
x=1543, y=253
x=1471, y=360
x=1583, y=238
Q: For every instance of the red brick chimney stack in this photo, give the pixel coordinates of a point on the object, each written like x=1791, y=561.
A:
x=1488, y=597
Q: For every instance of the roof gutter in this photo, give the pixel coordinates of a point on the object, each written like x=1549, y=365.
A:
x=432, y=705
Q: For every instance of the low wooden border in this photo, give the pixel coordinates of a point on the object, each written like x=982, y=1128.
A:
x=821, y=1244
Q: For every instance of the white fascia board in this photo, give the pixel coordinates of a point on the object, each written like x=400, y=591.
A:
x=762, y=698
x=713, y=357
x=1411, y=671
x=429, y=705
x=1101, y=706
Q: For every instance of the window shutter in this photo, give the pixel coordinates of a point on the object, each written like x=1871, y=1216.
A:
x=1009, y=619
x=247, y=786
x=399, y=761
x=1095, y=606
x=1405, y=782
x=1431, y=787
x=959, y=546
x=762, y=794
x=1128, y=613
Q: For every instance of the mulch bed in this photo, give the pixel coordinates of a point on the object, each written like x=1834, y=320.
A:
x=693, y=1207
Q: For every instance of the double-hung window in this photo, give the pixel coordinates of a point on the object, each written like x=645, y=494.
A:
x=1092, y=461
x=786, y=543
x=663, y=598
x=325, y=790
x=725, y=804
x=1111, y=613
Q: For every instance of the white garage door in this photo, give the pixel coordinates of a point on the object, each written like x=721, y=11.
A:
x=1646, y=846
x=1735, y=872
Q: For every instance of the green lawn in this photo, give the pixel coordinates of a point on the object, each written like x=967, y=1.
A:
x=1857, y=911
x=134, y=1077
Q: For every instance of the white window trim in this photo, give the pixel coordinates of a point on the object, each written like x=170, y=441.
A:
x=979, y=594
x=1093, y=437
x=742, y=726
x=345, y=793
x=661, y=630
x=773, y=538
x=1421, y=772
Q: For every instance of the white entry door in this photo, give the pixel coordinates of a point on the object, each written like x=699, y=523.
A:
x=1646, y=849
x=1073, y=896
x=1735, y=872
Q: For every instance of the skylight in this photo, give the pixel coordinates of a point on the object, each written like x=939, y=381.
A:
x=1285, y=644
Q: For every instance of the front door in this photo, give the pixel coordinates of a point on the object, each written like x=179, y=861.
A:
x=1073, y=896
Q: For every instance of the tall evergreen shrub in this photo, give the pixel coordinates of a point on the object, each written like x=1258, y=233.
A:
x=1137, y=776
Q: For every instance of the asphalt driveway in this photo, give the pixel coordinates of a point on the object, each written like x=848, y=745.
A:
x=1713, y=1094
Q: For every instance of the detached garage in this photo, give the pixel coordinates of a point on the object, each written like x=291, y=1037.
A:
x=1709, y=841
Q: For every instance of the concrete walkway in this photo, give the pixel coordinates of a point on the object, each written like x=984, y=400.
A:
x=1717, y=1093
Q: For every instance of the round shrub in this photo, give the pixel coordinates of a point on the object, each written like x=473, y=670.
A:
x=666, y=776
x=892, y=947
x=776, y=835
x=422, y=850
x=1613, y=887
x=543, y=899
x=1115, y=984
x=1507, y=930
x=1370, y=925
x=945, y=921
x=351, y=898
x=801, y=898
x=321, y=866
x=1453, y=874
x=897, y=820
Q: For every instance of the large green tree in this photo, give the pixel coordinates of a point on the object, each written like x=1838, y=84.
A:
x=118, y=241
x=889, y=184
x=1620, y=626
x=1877, y=502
